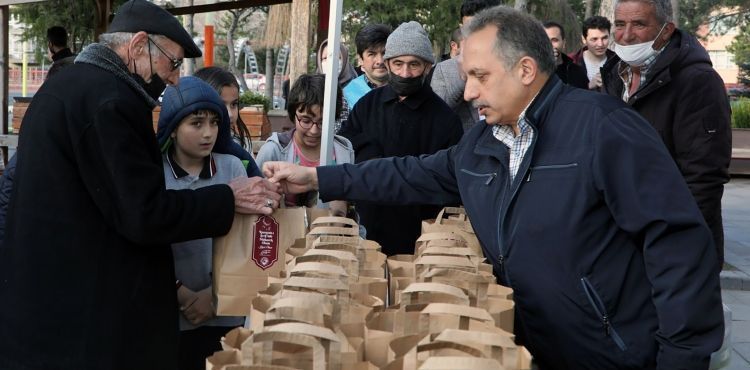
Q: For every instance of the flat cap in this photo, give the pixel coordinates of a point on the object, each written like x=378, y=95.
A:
x=141, y=15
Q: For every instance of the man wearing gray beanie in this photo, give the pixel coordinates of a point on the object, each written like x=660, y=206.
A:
x=401, y=118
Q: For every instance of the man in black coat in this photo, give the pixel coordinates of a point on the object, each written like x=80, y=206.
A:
x=401, y=118
x=57, y=43
x=86, y=271
x=666, y=75
x=569, y=72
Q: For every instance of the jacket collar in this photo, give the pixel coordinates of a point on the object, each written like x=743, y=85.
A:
x=660, y=73
x=535, y=115
x=412, y=101
x=208, y=171
x=62, y=54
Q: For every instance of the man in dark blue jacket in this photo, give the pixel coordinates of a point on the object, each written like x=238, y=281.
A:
x=576, y=202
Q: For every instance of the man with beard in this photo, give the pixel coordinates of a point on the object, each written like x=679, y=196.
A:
x=402, y=118
x=57, y=43
x=569, y=72
x=86, y=269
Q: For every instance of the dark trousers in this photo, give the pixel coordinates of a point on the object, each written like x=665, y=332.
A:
x=199, y=343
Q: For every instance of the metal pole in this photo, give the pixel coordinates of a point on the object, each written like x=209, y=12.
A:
x=332, y=80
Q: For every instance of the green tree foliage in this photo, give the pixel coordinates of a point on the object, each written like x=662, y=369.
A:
x=740, y=47
x=439, y=17
x=77, y=16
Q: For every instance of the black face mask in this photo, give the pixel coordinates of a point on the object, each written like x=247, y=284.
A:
x=153, y=88
x=156, y=86
x=405, y=86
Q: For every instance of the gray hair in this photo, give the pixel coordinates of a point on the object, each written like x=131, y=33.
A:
x=116, y=39
x=662, y=8
x=518, y=35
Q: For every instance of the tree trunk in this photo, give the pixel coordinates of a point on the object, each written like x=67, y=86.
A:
x=676, y=12
x=300, y=45
x=236, y=15
x=522, y=5
x=589, y=9
x=607, y=10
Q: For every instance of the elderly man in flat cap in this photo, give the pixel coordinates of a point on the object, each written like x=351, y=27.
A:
x=86, y=273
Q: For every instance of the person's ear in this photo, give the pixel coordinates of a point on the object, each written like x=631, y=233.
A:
x=526, y=70
x=138, y=43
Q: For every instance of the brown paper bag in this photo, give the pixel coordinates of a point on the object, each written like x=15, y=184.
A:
x=234, y=338
x=497, y=346
x=220, y=360
x=452, y=219
x=502, y=311
x=328, y=340
x=249, y=254
x=379, y=331
x=418, y=293
x=475, y=285
x=460, y=363
x=437, y=317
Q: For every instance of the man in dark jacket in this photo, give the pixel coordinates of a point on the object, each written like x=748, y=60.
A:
x=666, y=75
x=57, y=43
x=569, y=72
x=576, y=203
x=595, y=51
x=401, y=118
x=86, y=271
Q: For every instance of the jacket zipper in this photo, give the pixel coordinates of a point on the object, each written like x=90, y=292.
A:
x=490, y=176
x=601, y=311
x=505, y=206
x=549, y=167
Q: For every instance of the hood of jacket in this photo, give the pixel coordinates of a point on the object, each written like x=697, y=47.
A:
x=347, y=71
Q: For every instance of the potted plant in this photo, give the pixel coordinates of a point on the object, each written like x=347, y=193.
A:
x=254, y=114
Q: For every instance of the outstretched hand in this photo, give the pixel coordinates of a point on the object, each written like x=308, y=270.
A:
x=255, y=195
x=292, y=178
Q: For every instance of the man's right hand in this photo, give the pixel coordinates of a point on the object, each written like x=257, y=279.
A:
x=595, y=82
x=255, y=195
x=293, y=179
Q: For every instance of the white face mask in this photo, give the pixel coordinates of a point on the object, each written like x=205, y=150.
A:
x=636, y=55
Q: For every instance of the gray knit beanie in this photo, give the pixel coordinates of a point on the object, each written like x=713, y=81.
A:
x=409, y=39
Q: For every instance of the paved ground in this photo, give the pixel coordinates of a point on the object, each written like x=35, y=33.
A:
x=736, y=212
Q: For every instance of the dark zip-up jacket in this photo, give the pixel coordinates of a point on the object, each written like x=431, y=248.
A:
x=597, y=235
x=684, y=99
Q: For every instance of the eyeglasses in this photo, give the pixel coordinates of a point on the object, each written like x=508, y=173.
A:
x=176, y=63
x=307, y=123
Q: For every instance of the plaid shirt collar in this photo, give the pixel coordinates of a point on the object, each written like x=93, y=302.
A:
x=505, y=133
x=517, y=145
x=626, y=72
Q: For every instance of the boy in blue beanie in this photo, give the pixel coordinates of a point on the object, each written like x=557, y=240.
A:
x=193, y=132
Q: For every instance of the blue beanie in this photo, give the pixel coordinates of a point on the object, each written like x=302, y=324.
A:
x=190, y=95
